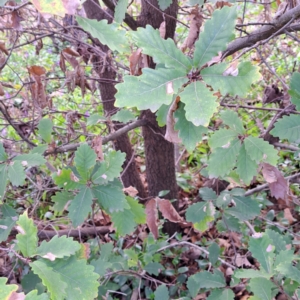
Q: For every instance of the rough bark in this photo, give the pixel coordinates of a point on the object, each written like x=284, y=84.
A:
x=160, y=161
x=107, y=91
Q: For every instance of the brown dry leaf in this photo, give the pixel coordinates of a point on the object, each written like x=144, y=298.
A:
x=130, y=191
x=3, y=48
x=168, y=211
x=232, y=70
x=171, y=134
x=162, y=29
x=70, y=56
x=272, y=94
x=277, y=184
x=1, y=90
x=152, y=217
x=97, y=146
x=242, y=260
x=16, y=296
x=221, y=4
x=288, y=215
x=196, y=19
x=135, y=61
x=38, y=74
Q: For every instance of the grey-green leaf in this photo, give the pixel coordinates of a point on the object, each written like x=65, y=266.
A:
x=45, y=129
x=16, y=173
x=232, y=119
x=233, y=85
x=261, y=288
x=150, y=90
x=218, y=31
x=200, y=103
x=120, y=10
x=288, y=128
x=244, y=208
x=163, y=51
x=108, y=34
x=221, y=138
x=161, y=293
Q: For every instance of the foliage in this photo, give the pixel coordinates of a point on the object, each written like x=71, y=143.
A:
x=50, y=185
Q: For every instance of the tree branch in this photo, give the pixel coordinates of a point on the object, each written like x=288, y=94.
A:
x=106, y=139
x=264, y=32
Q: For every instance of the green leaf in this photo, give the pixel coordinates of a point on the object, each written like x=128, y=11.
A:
x=85, y=159
x=58, y=247
x=289, y=271
x=111, y=197
x=246, y=167
x=284, y=257
x=200, y=103
x=277, y=240
x=123, y=221
x=3, y=181
x=63, y=180
x=80, y=206
x=287, y=128
x=7, y=290
x=110, y=168
x=214, y=252
x=222, y=160
x=103, y=262
x=124, y=116
x=188, y=132
x=207, y=194
x=249, y=273
x=161, y=293
x=164, y=4
x=221, y=138
x=261, y=249
x=40, y=149
x=7, y=221
x=27, y=236
x=16, y=173
x=233, y=85
x=132, y=257
x=150, y=90
x=260, y=150
x=163, y=51
x=228, y=223
x=3, y=155
x=45, y=130
x=205, y=280
x=120, y=10
x=138, y=210
x=244, y=208
x=261, y=288
x=51, y=279
x=154, y=268
x=196, y=212
x=30, y=160
x=218, y=31
x=224, y=294
x=79, y=277
x=232, y=119
x=295, y=90
x=31, y=281
x=60, y=200
x=107, y=34
x=33, y=295
x=94, y=119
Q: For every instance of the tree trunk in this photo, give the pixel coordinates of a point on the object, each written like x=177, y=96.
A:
x=160, y=160
x=131, y=176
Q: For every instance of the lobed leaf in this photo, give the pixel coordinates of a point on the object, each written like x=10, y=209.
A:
x=16, y=173
x=246, y=167
x=60, y=200
x=232, y=119
x=188, y=132
x=123, y=221
x=260, y=150
x=287, y=128
x=261, y=288
x=150, y=90
x=108, y=34
x=120, y=10
x=163, y=51
x=27, y=236
x=261, y=249
x=224, y=294
x=45, y=129
x=295, y=89
x=30, y=160
x=6, y=290
x=233, y=85
x=217, y=33
x=3, y=181
x=3, y=155
x=80, y=206
x=221, y=138
x=7, y=221
x=222, y=160
x=161, y=293
x=58, y=247
x=200, y=103
x=85, y=159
